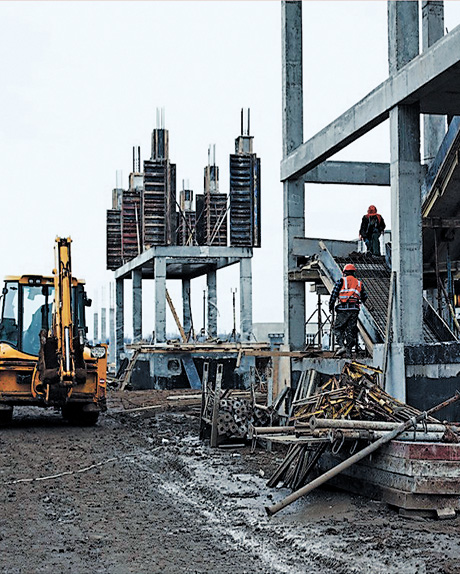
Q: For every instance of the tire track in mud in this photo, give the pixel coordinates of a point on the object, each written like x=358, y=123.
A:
x=189, y=485
x=192, y=480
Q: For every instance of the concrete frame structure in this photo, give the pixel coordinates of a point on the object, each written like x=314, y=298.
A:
x=427, y=83
x=185, y=263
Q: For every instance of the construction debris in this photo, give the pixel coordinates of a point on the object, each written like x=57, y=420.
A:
x=354, y=394
x=349, y=408
x=358, y=456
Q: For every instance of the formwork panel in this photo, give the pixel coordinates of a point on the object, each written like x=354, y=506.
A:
x=186, y=234
x=216, y=219
x=158, y=206
x=131, y=230
x=245, y=200
x=113, y=237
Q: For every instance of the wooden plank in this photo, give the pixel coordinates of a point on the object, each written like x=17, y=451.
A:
x=224, y=349
x=137, y=409
x=395, y=497
x=412, y=484
x=126, y=378
x=183, y=397
x=388, y=326
x=424, y=451
x=176, y=318
x=414, y=468
x=442, y=222
x=215, y=408
x=411, y=501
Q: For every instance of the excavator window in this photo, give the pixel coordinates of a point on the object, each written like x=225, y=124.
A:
x=37, y=313
x=9, y=324
x=27, y=309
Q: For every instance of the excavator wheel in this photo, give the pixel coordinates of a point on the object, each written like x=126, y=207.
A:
x=80, y=415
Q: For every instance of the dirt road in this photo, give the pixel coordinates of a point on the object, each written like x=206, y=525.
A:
x=142, y=494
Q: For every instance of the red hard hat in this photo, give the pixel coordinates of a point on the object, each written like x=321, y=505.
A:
x=349, y=267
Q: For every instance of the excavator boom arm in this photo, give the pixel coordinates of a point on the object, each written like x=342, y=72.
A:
x=62, y=315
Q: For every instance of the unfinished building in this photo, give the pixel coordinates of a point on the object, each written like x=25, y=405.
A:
x=411, y=329
x=152, y=235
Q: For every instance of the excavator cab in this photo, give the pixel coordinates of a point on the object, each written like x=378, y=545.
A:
x=45, y=359
x=27, y=308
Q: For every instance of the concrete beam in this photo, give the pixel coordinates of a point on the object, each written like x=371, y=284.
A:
x=350, y=173
x=112, y=336
x=310, y=246
x=96, y=327
x=176, y=255
x=430, y=79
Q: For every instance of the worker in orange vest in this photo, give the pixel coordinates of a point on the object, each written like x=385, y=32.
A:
x=349, y=293
x=372, y=227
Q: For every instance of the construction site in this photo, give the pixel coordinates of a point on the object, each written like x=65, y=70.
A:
x=328, y=442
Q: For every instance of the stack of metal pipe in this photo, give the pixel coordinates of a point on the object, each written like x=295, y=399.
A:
x=236, y=415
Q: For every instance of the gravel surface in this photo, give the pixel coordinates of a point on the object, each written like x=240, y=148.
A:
x=139, y=493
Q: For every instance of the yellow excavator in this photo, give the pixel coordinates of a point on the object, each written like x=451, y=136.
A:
x=45, y=359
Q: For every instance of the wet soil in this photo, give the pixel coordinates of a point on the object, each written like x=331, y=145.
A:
x=139, y=493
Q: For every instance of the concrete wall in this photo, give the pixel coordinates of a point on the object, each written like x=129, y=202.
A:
x=262, y=330
x=166, y=371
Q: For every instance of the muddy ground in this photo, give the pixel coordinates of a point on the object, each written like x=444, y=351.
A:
x=139, y=493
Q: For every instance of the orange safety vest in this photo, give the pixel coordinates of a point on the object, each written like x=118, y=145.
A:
x=351, y=290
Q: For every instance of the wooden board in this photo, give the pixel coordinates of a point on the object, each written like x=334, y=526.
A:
x=395, y=497
x=387, y=478
x=424, y=451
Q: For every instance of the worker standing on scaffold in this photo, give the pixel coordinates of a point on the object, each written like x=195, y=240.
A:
x=349, y=293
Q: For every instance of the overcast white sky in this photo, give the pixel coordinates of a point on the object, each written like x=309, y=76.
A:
x=81, y=82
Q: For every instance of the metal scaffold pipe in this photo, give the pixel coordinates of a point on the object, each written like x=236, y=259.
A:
x=271, y=510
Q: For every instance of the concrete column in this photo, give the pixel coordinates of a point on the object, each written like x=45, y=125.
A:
x=293, y=191
x=137, y=305
x=403, y=33
x=96, y=327
x=112, y=335
x=434, y=126
x=186, y=306
x=405, y=174
x=103, y=325
x=406, y=222
x=246, y=299
x=160, y=299
x=211, y=282
x=120, y=320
